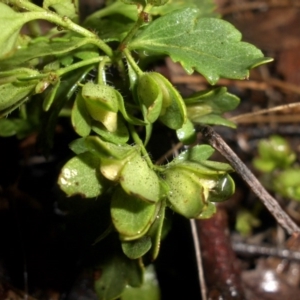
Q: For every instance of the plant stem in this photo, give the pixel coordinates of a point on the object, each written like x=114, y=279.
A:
x=271, y=204
x=36, y=12
x=139, y=142
x=78, y=65
x=132, y=62
x=101, y=71
x=140, y=21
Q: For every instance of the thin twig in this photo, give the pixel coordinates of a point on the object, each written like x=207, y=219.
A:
x=251, y=249
x=264, y=111
x=271, y=204
x=197, y=247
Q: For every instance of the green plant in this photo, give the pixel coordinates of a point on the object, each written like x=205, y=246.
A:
x=277, y=162
x=47, y=75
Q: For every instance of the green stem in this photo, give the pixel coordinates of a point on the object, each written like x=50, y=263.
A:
x=140, y=21
x=36, y=12
x=132, y=62
x=101, y=71
x=139, y=142
x=78, y=65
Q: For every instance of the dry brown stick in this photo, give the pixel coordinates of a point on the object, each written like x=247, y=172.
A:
x=271, y=204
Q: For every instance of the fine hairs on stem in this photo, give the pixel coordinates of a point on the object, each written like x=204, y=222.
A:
x=271, y=204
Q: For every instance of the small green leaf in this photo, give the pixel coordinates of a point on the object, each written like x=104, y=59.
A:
x=43, y=48
x=14, y=94
x=117, y=271
x=80, y=175
x=210, y=46
x=131, y=216
x=222, y=190
x=111, y=30
x=137, y=248
x=10, y=26
x=197, y=153
x=274, y=152
x=149, y=289
x=213, y=119
x=99, y=96
x=173, y=112
x=113, y=157
x=50, y=96
x=187, y=133
x=287, y=183
x=156, y=229
x=78, y=146
x=186, y=194
x=208, y=211
x=206, y=167
x=66, y=8
x=80, y=118
x=120, y=136
x=139, y=180
x=150, y=97
x=10, y=127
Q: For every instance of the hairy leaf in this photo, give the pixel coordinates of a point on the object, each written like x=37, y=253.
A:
x=210, y=46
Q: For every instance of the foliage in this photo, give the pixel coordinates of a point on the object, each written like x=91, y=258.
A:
x=48, y=75
x=277, y=162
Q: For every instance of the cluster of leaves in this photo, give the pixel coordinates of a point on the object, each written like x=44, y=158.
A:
x=52, y=69
x=277, y=161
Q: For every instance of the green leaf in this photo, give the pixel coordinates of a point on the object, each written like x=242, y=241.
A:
x=274, y=152
x=213, y=119
x=65, y=91
x=80, y=118
x=10, y=127
x=10, y=25
x=149, y=289
x=131, y=216
x=80, y=175
x=222, y=190
x=208, y=211
x=206, y=167
x=117, y=271
x=173, y=112
x=99, y=96
x=287, y=183
x=156, y=230
x=139, y=180
x=210, y=46
x=110, y=30
x=50, y=96
x=197, y=153
x=150, y=97
x=66, y=8
x=42, y=48
x=120, y=136
x=113, y=157
x=218, y=99
x=137, y=248
x=206, y=7
x=186, y=194
x=78, y=146
x=187, y=133
x=14, y=94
